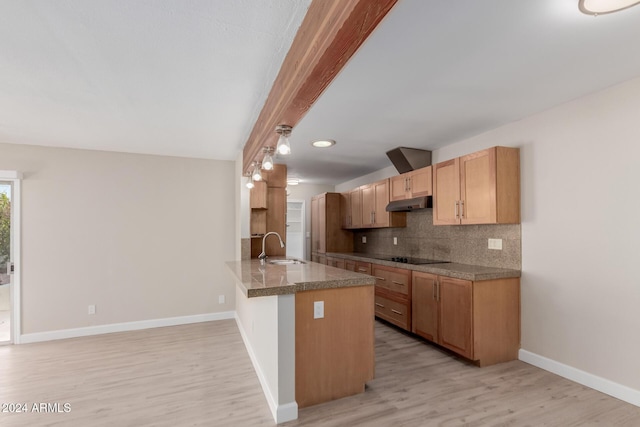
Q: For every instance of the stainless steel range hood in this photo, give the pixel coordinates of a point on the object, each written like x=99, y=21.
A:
x=410, y=204
x=407, y=159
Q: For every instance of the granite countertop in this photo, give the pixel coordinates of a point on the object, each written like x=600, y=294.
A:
x=256, y=280
x=458, y=271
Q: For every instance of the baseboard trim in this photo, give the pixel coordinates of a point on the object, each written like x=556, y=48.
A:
x=280, y=413
x=595, y=382
x=122, y=327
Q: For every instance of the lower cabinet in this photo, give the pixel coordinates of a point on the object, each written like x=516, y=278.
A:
x=478, y=320
x=393, y=295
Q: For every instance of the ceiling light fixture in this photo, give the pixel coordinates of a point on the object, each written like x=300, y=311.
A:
x=602, y=7
x=323, y=143
x=283, y=146
x=267, y=160
x=293, y=181
x=256, y=174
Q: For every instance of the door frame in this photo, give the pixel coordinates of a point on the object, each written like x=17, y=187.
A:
x=303, y=221
x=15, y=178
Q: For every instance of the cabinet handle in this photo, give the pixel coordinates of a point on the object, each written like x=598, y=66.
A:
x=397, y=312
x=374, y=217
x=380, y=278
x=379, y=305
x=362, y=269
x=456, y=209
x=438, y=285
x=461, y=209
x=408, y=184
x=435, y=285
x=397, y=283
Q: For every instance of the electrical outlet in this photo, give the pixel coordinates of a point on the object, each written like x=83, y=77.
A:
x=91, y=309
x=318, y=309
x=364, y=239
x=495, y=244
x=395, y=241
x=220, y=299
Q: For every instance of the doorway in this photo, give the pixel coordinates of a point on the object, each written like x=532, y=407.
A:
x=295, y=229
x=5, y=261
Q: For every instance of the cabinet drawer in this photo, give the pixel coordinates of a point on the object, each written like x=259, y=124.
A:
x=393, y=311
x=363, y=267
x=393, y=279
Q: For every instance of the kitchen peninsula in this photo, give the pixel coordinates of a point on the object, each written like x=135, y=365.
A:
x=308, y=328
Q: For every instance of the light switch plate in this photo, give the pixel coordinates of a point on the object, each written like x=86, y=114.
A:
x=364, y=239
x=220, y=299
x=395, y=241
x=495, y=244
x=318, y=309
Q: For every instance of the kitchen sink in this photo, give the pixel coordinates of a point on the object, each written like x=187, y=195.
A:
x=285, y=261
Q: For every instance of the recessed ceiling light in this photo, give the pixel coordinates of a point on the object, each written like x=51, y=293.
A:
x=601, y=7
x=323, y=143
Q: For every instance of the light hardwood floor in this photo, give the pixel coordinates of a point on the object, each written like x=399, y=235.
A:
x=201, y=375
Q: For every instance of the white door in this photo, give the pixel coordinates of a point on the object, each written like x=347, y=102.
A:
x=295, y=228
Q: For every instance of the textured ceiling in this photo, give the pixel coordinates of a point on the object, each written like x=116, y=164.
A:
x=188, y=78
x=171, y=77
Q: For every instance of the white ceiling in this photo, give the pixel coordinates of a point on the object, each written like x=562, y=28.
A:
x=170, y=77
x=189, y=78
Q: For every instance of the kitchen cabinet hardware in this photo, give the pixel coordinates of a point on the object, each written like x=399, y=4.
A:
x=396, y=312
x=362, y=269
x=397, y=283
x=380, y=278
x=380, y=305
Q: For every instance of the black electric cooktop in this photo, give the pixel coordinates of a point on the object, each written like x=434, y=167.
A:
x=408, y=260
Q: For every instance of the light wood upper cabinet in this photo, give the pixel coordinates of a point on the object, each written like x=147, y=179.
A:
x=351, y=208
x=479, y=188
x=258, y=195
x=412, y=184
x=375, y=198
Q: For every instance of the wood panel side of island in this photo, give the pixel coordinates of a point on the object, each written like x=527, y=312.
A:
x=334, y=355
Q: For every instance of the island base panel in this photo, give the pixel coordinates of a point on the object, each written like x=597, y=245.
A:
x=334, y=355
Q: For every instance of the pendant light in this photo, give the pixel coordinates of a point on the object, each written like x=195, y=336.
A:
x=256, y=174
x=249, y=182
x=267, y=161
x=283, y=147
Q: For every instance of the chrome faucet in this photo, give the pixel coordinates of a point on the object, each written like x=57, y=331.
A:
x=263, y=255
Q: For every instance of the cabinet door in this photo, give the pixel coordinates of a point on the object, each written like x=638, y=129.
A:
x=456, y=315
x=368, y=204
x=478, y=187
x=315, y=225
x=446, y=192
x=345, y=210
x=322, y=224
x=381, y=196
x=258, y=195
x=424, y=305
x=420, y=182
x=355, y=202
x=277, y=202
x=350, y=265
x=399, y=185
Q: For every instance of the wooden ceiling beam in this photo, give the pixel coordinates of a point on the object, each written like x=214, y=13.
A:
x=331, y=32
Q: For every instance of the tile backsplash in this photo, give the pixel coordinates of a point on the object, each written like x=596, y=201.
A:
x=466, y=244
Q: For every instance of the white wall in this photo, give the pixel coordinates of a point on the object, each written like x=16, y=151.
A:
x=378, y=175
x=141, y=237
x=306, y=192
x=580, y=230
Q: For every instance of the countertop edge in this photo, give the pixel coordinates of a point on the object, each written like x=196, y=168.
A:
x=449, y=269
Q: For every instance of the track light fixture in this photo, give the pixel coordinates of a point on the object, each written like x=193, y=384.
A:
x=283, y=146
x=256, y=174
x=249, y=182
x=267, y=160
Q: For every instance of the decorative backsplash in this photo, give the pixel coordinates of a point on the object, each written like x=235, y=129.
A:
x=466, y=244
